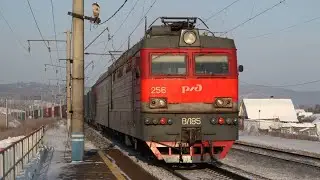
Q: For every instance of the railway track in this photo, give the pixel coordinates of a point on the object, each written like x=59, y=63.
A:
x=190, y=172
x=227, y=170
x=224, y=171
x=238, y=173
x=308, y=159
x=209, y=171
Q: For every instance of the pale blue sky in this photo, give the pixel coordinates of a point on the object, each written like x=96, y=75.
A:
x=287, y=57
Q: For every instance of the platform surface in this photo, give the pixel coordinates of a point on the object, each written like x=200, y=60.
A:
x=95, y=165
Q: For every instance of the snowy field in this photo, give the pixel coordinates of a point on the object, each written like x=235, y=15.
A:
x=282, y=143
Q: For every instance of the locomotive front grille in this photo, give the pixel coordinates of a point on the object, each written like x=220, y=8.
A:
x=191, y=135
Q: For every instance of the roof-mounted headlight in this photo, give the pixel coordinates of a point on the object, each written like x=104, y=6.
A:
x=189, y=37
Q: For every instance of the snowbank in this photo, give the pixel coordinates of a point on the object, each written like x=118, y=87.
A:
x=7, y=142
x=33, y=170
x=282, y=143
x=14, y=123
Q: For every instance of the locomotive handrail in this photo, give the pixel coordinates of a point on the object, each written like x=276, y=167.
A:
x=14, y=157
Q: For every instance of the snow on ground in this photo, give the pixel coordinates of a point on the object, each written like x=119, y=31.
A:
x=88, y=145
x=56, y=137
x=269, y=167
x=14, y=123
x=140, y=160
x=282, y=143
x=7, y=142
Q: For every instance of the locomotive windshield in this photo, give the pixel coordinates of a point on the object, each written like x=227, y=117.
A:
x=211, y=65
x=169, y=64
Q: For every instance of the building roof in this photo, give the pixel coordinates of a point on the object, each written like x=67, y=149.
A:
x=300, y=111
x=317, y=120
x=283, y=109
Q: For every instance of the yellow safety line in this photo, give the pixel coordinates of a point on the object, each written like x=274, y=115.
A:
x=115, y=171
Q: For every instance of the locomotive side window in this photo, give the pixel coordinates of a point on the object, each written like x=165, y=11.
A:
x=168, y=64
x=211, y=65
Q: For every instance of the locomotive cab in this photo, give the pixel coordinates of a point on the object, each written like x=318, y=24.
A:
x=189, y=96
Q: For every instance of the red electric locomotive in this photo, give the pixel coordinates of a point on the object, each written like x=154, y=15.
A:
x=175, y=90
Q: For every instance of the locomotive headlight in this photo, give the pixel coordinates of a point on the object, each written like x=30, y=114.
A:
x=223, y=103
x=220, y=102
x=189, y=37
x=162, y=102
x=158, y=103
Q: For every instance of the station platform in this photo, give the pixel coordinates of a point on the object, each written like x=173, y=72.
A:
x=96, y=164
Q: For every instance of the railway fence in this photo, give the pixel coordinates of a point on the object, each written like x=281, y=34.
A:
x=15, y=157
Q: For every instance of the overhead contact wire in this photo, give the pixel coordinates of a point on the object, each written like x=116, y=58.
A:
x=106, y=27
x=251, y=18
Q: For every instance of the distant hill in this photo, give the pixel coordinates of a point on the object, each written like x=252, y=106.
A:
x=298, y=97
x=29, y=91
x=22, y=90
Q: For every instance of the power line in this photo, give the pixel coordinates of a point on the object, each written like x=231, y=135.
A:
x=254, y=3
x=115, y=12
x=141, y=20
x=125, y=19
x=249, y=19
x=106, y=27
x=1, y=14
x=111, y=38
x=119, y=27
x=144, y=2
x=35, y=20
x=55, y=33
x=289, y=27
x=288, y=85
x=217, y=13
x=96, y=38
x=54, y=27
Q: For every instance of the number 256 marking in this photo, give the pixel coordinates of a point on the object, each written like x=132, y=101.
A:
x=158, y=90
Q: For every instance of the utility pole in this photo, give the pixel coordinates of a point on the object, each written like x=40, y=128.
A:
x=68, y=83
x=60, y=106
x=77, y=81
x=32, y=109
x=7, y=120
